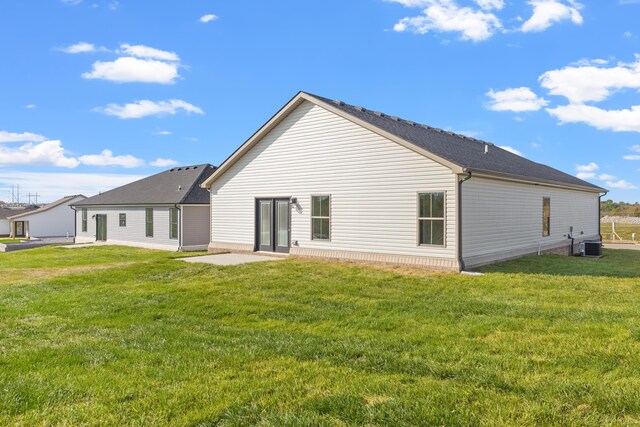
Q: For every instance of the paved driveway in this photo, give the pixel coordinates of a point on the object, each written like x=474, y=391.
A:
x=230, y=259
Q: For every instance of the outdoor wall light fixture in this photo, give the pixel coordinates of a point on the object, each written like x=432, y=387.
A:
x=294, y=200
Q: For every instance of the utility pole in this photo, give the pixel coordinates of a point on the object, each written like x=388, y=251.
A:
x=34, y=196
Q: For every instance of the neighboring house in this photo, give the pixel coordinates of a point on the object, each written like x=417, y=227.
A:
x=5, y=213
x=168, y=211
x=325, y=179
x=53, y=220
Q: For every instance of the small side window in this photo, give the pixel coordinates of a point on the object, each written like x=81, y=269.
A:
x=123, y=220
x=546, y=216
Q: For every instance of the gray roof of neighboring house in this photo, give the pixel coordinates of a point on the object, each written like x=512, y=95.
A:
x=176, y=186
x=466, y=152
x=47, y=207
x=7, y=212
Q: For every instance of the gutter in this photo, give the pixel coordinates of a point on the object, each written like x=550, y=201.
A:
x=75, y=222
x=179, y=227
x=600, y=213
x=459, y=220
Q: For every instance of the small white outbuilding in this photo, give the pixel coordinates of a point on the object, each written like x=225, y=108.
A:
x=327, y=179
x=56, y=219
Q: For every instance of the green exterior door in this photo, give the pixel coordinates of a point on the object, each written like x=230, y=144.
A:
x=101, y=228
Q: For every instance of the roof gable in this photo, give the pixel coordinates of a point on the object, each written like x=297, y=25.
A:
x=48, y=207
x=179, y=185
x=459, y=153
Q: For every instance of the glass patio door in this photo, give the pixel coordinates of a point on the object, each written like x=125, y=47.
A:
x=272, y=220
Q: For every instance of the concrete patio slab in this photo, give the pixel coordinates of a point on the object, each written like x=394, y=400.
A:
x=622, y=245
x=230, y=259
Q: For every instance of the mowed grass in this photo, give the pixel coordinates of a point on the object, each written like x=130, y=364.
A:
x=120, y=336
x=7, y=240
x=624, y=230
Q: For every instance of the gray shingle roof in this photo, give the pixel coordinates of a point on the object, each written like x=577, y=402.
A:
x=179, y=185
x=460, y=150
x=7, y=212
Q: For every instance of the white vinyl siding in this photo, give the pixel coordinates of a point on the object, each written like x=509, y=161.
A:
x=58, y=221
x=504, y=218
x=372, y=181
x=135, y=231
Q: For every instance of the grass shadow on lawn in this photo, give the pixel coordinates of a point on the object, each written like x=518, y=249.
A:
x=614, y=263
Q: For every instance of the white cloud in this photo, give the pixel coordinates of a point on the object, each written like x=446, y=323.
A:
x=30, y=106
x=146, y=108
x=128, y=69
x=588, y=171
x=52, y=186
x=147, y=52
x=163, y=163
x=20, y=137
x=616, y=120
x=511, y=149
x=44, y=153
x=632, y=157
x=447, y=16
x=621, y=184
x=71, y=2
x=580, y=84
x=208, y=18
x=635, y=148
x=548, y=12
x=106, y=158
x=586, y=175
x=515, y=99
x=490, y=4
x=163, y=132
x=588, y=167
x=627, y=34
x=82, y=47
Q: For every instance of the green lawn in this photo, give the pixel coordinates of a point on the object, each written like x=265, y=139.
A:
x=119, y=336
x=5, y=241
x=623, y=230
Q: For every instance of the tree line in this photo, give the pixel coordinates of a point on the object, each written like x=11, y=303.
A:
x=609, y=207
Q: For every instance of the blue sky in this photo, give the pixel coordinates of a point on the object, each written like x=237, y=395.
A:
x=96, y=93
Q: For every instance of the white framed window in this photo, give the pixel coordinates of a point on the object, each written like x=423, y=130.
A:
x=431, y=219
x=321, y=217
x=122, y=217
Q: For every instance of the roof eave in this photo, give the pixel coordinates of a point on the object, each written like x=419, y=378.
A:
x=536, y=181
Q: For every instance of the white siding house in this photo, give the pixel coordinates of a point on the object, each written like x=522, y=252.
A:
x=166, y=211
x=53, y=220
x=323, y=178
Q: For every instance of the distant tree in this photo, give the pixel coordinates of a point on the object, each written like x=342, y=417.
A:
x=609, y=207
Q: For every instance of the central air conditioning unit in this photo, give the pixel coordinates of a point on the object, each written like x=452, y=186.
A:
x=591, y=248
